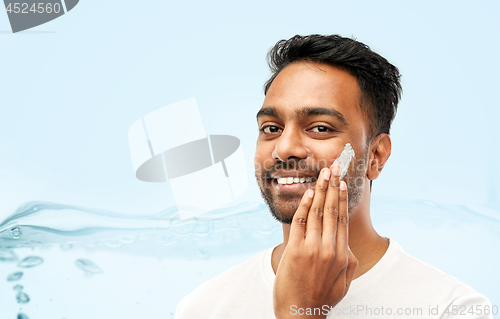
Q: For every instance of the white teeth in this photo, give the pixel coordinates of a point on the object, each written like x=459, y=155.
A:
x=281, y=180
x=294, y=180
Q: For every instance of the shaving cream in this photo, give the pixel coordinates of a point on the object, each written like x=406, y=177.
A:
x=345, y=159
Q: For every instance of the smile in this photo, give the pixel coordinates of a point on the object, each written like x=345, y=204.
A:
x=294, y=180
x=293, y=184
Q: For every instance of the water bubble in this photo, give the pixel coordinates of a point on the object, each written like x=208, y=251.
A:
x=30, y=261
x=88, y=266
x=15, y=276
x=7, y=255
x=22, y=316
x=18, y=288
x=22, y=297
x=16, y=233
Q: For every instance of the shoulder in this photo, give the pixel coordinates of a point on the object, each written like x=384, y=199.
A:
x=231, y=276
x=432, y=284
x=400, y=281
x=425, y=276
x=219, y=293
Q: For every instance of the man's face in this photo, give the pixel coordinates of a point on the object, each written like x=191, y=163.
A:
x=310, y=112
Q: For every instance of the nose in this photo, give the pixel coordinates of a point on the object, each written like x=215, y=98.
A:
x=290, y=145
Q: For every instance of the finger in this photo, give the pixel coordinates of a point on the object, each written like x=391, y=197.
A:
x=342, y=221
x=298, y=226
x=331, y=209
x=315, y=218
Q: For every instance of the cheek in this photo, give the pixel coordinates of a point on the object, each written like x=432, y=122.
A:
x=258, y=157
x=260, y=162
x=263, y=158
x=326, y=154
x=257, y=164
x=359, y=138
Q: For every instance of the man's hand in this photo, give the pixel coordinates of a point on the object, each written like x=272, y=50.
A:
x=317, y=266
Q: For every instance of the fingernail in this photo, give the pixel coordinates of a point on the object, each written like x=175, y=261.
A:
x=326, y=174
x=336, y=170
x=310, y=193
x=343, y=186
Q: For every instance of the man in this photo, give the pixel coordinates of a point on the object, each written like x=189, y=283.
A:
x=326, y=92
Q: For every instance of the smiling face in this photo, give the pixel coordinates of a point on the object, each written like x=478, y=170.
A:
x=310, y=112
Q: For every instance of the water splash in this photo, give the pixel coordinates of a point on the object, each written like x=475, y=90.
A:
x=52, y=223
x=431, y=214
x=226, y=232
x=163, y=233
x=30, y=262
x=15, y=276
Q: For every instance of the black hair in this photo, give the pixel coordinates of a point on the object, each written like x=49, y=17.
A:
x=378, y=80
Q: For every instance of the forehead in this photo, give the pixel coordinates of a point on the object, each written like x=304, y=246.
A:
x=304, y=85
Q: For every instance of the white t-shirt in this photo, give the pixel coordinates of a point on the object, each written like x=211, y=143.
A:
x=398, y=286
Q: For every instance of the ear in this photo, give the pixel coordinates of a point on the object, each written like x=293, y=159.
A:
x=380, y=150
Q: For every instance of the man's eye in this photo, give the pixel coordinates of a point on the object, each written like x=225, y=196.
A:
x=321, y=129
x=270, y=129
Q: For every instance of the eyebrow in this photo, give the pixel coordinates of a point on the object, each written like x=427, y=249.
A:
x=305, y=112
x=267, y=111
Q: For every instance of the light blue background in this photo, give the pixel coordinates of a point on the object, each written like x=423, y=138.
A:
x=70, y=89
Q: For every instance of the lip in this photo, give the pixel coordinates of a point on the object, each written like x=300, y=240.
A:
x=292, y=174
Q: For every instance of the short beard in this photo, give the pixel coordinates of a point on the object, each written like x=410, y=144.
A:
x=275, y=212
x=354, y=191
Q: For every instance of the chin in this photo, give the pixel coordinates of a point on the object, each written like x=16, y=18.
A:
x=282, y=205
x=284, y=213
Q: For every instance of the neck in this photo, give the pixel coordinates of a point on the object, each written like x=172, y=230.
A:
x=365, y=243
